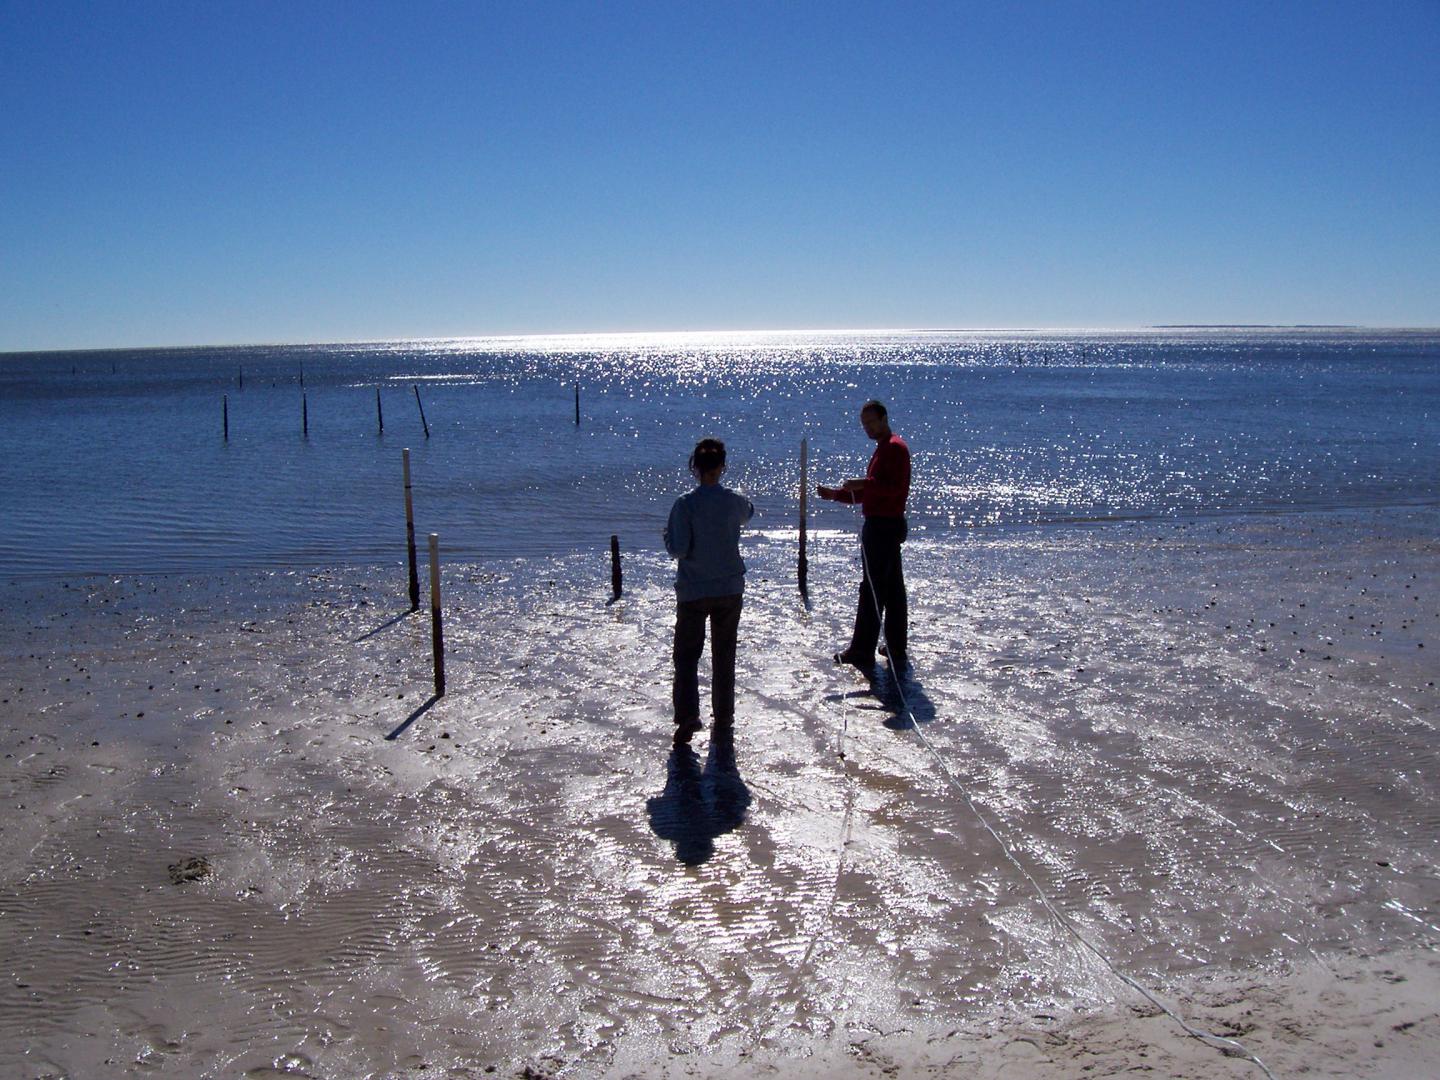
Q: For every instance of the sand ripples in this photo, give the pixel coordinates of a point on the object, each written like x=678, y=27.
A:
x=528, y=876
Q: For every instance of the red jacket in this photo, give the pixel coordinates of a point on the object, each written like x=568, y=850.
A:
x=887, y=479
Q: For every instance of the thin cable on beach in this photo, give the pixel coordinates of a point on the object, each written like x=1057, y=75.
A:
x=847, y=826
x=1220, y=1042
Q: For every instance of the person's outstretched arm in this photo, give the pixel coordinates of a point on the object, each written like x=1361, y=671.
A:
x=850, y=493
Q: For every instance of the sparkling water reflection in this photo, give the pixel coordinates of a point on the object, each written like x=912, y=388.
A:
x=114, y=461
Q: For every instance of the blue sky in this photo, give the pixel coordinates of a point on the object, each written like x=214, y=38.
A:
x=260, y=172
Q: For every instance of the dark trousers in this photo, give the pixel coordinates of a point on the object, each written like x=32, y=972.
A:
x=690, y=615
x=880, y=540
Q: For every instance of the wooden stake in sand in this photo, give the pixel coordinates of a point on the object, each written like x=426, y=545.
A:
x=422, y=410
x=804, y=565
x=616, y=582
x=410, y=532
x=577, y=404
x=225, y=415
x=379, y=412
x=437, y=634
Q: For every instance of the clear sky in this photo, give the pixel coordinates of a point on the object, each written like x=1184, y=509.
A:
x=262, y=172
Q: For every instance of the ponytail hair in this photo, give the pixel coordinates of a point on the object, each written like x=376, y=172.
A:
x=709, y=454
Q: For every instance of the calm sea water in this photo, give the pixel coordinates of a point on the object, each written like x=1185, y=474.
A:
x=114, y=461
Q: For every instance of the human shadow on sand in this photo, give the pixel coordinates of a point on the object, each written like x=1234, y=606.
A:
x=902, y=698
x=699, y=804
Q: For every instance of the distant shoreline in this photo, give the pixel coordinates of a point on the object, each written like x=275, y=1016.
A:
x=1267, y=326
x=597, y=336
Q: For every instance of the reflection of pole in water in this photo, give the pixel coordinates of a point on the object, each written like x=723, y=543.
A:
x=304, y=415
x=410, y=532
x=804, y=565
x=577, y=404
x=379, y=412
x=437, y=634
x=225, y=415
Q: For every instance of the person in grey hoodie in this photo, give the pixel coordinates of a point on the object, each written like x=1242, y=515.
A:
x=703, y=533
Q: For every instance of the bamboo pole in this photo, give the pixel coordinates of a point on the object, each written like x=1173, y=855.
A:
x=410, y=532
x=804, y=564
x=616, y=582
x=437, y=634
x=422, y=410
x=379, y=412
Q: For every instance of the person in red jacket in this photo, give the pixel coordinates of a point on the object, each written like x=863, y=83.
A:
x=881, y=495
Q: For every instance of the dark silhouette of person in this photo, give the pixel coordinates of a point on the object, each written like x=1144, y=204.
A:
x=881, y=494
x=703, y=534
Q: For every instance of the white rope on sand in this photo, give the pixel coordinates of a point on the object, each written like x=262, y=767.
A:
x=1220, y=1042
x=847, y=826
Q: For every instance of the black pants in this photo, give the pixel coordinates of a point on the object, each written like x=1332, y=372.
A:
x=880, y=540
x=690, y=615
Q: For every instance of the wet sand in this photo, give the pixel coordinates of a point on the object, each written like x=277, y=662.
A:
x=1213, y=744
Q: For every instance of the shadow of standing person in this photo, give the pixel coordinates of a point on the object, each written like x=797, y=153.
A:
x=904, y=698
x=698, y=804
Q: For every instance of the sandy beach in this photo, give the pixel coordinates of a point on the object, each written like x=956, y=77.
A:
x=1122, y=315
x=1213, y=744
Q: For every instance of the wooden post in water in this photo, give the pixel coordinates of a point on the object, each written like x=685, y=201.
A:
x=577, y=404
x=379, y=412
x=410, y=532
x=304, y=415
x=242, y=376
x=616, y=582
x=437, y=634
x=225, y=415
x=804, y=565
x=422, y=410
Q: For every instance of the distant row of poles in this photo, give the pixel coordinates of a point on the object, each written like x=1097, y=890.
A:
x=379, y=408
x=305, y=413
x=437, y=633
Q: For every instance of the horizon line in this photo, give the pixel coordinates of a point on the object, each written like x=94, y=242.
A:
x=713, y=333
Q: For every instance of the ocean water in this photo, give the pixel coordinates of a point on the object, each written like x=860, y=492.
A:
x=114, y=461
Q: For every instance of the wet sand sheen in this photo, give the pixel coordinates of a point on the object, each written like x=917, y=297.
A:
x=1213, y=744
